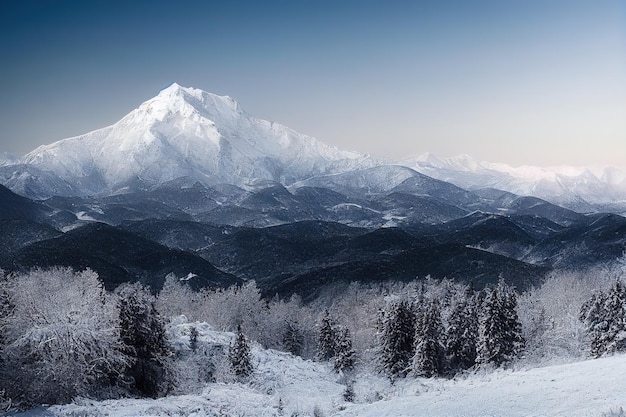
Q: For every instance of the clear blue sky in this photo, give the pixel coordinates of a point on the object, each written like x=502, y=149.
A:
x=521, y=82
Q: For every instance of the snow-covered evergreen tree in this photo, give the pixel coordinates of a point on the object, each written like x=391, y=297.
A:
x=428, y=360
x=397, y=336
x=143, y=335
x=462, y=333
x=345, y=356
x=327, y=340
x=240, y=356
x=499, y=329
x=605, y=319
x=293, y=340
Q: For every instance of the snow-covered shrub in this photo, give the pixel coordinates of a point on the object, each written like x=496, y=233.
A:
x=550, y=314
x=61, y=337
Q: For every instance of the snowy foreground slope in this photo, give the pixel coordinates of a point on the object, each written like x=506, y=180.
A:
x=305, y=388
x=587, y=388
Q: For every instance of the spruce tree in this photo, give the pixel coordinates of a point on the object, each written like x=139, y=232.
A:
x=327, y=341
x=143, y=335
x=616, y=316
x=499, y=337
x=397, y=337
x=240, y=357
x=604, y=316
x=293, y=339
x=429, y=353
x=462, y=334
x=345, y=356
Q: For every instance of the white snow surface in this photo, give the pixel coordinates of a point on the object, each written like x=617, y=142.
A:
x=586, y=388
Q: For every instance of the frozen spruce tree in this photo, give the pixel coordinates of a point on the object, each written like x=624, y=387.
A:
x=293, y=339
x=397, y=336
x=345, y=356
x=462, y=333
x=327, y=341
x=240, y=357
x=144, y=339
x=604, y=317
x=428, y=360
x=499, y=329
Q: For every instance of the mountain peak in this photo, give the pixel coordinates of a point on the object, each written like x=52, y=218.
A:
x=187, y=100
x=187, y=132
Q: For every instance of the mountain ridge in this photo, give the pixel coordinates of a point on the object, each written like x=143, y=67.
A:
x=187, y=132
x=181, y=132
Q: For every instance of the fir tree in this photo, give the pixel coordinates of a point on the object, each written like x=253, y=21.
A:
x=428, y=358
x=397, y=337
x=143, y=335
x=345, y=355
x=500, y=337
x=615, y=307
x=327, y=342
x=240, y=357
x=462, y=334
x=605, y=320
x=293, y=339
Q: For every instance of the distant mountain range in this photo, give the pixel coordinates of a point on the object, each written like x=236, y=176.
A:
x=186, y=132
x=585, y=189
x=189, y=183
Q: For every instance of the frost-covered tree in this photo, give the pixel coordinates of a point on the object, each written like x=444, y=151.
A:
x=327, y=340
x=428, y=360
x=61, y=337
x=462, y=333
x=345, y=357
x=499, y=329
x=397, y=336
x=604, y=316
x=144, y=338
x=293, y=339
x=193, y=339
x=225, y=309
x=176, y=298
x=240, y=356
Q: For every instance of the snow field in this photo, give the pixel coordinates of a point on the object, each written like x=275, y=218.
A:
x=588, y=388
x=283, y=384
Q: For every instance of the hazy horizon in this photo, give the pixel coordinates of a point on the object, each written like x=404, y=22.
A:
x=523, y=83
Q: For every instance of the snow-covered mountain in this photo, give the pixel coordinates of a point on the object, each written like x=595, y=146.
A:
x=186, y=132
x=180, y=132
x=578, y=188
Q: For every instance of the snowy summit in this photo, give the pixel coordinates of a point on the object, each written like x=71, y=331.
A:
x=183, y=132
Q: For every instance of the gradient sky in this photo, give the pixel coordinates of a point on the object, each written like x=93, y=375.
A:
x=520, y=82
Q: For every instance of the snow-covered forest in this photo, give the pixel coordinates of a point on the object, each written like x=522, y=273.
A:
x=65, y=339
